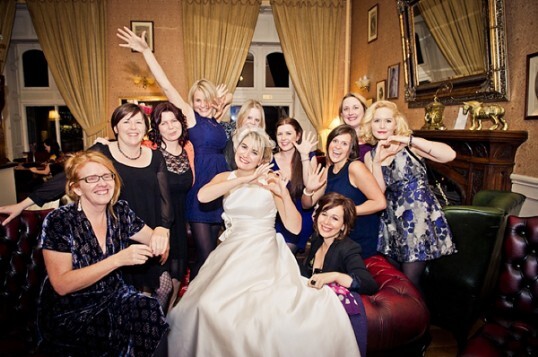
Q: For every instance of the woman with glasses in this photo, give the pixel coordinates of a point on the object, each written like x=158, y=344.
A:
x=85, y=306
x=143, y=174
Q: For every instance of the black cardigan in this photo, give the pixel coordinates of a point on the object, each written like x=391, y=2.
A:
x=343, y=256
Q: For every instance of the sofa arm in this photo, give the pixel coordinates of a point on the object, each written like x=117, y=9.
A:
x=22, y=271
x=397, y=316
x=457, y=286
x=509, y=202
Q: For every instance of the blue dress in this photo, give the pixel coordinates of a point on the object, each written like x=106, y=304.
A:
x=306, y=214
x=366, y=227
x=108, y=317
x=413, y=226
x=208, y=138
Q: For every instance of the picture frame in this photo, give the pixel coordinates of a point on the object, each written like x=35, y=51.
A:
x=531, y=98
x=140, y=26
x=393, y=81
x=380, y=90
x=373, y=22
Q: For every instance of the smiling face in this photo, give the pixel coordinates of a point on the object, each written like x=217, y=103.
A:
x=340, y=148
x=97, y=194
x=286, y=136
x=330, y=222
x=130, y=130
x=248, y=154
x=200, y=105
x=170, y=127
x=383, y=123
x=352, y=112
x=253, y=119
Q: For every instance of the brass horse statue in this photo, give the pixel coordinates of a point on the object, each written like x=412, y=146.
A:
x=480, y=112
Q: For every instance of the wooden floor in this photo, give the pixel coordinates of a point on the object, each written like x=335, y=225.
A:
x=443, y=344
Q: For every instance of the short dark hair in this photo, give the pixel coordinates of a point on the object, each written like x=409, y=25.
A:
x=332, y=200
x=127, y=110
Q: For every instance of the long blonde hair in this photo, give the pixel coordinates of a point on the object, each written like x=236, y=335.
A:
x=245, y=108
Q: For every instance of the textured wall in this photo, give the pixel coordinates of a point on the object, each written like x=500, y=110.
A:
x=373, y=59
x=168, y=40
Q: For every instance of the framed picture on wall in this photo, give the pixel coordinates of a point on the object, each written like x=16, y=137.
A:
x=372, y=23
x=531, y=101
x=380, y=90
x=393, y=76
x=138, y=27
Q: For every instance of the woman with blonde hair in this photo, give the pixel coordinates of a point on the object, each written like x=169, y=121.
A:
x=351, y=111
x=250, y=285
x=251, y=114
x=413, y=227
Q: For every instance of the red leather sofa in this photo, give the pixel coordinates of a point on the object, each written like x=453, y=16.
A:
x=398, y=319
x=511, y=323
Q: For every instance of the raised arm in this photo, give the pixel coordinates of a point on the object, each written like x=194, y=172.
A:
x=290, y=216
x=138, y=43
x=308, y=143
x=315, y=186
x=432, y=150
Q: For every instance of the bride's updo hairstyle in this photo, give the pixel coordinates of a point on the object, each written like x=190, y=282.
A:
x=262, y=141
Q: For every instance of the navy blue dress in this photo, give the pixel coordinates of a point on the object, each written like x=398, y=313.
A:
x=208, y=138
x=306, y=214
x=366, y=227
x=109, y=317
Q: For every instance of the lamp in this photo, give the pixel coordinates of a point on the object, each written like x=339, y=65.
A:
x=53, y=115
x=363, y=83
x=143, y=81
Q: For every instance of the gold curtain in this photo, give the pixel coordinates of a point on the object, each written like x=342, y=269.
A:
x=7, y=16
x=311, y=34
x=453, y=23
x=216, y=37
x=72, y=35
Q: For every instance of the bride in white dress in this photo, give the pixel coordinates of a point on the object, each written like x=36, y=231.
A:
x=249, y=298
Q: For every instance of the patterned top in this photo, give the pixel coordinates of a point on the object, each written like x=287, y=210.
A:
x=176, y=164
x=109, y=316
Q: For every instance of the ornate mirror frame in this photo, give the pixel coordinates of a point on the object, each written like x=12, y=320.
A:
x=487, y=87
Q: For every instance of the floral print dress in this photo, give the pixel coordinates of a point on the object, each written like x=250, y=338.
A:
x=413, y=226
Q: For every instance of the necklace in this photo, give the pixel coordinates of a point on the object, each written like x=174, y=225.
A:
x=128, y=157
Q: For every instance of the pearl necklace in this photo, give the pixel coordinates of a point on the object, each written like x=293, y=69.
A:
x=128, y=157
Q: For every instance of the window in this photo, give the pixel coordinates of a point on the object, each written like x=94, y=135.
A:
x=35, y=69
x=247, y=74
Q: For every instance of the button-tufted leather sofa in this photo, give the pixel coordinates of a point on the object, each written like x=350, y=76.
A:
x=458, y=287
x=511, y=327
x=398, y=318
x=21, y=273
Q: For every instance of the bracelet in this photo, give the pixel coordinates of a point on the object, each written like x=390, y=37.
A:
x=410, y=143
x=308, y=194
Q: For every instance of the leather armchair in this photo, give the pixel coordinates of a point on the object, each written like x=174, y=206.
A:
x=22, y=271
x=398, y=318
x=511, y=327
x=458, y=287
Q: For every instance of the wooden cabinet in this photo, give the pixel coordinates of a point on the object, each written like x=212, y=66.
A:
x=485, y=159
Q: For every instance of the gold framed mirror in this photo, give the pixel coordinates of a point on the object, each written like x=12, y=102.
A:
x=455, y=48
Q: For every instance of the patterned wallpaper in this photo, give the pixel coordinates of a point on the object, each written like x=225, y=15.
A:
x=374, y=58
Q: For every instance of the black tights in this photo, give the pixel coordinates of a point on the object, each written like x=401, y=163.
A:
x=414, y=271
x=205, y=237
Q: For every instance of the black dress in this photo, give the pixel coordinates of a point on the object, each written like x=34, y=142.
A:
x=145, y=189
x=109, y=317
x=179, y=181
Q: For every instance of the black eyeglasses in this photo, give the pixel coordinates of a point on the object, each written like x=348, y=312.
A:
x=95, y=178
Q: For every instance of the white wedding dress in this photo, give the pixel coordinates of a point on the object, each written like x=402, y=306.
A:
x=249, y=298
